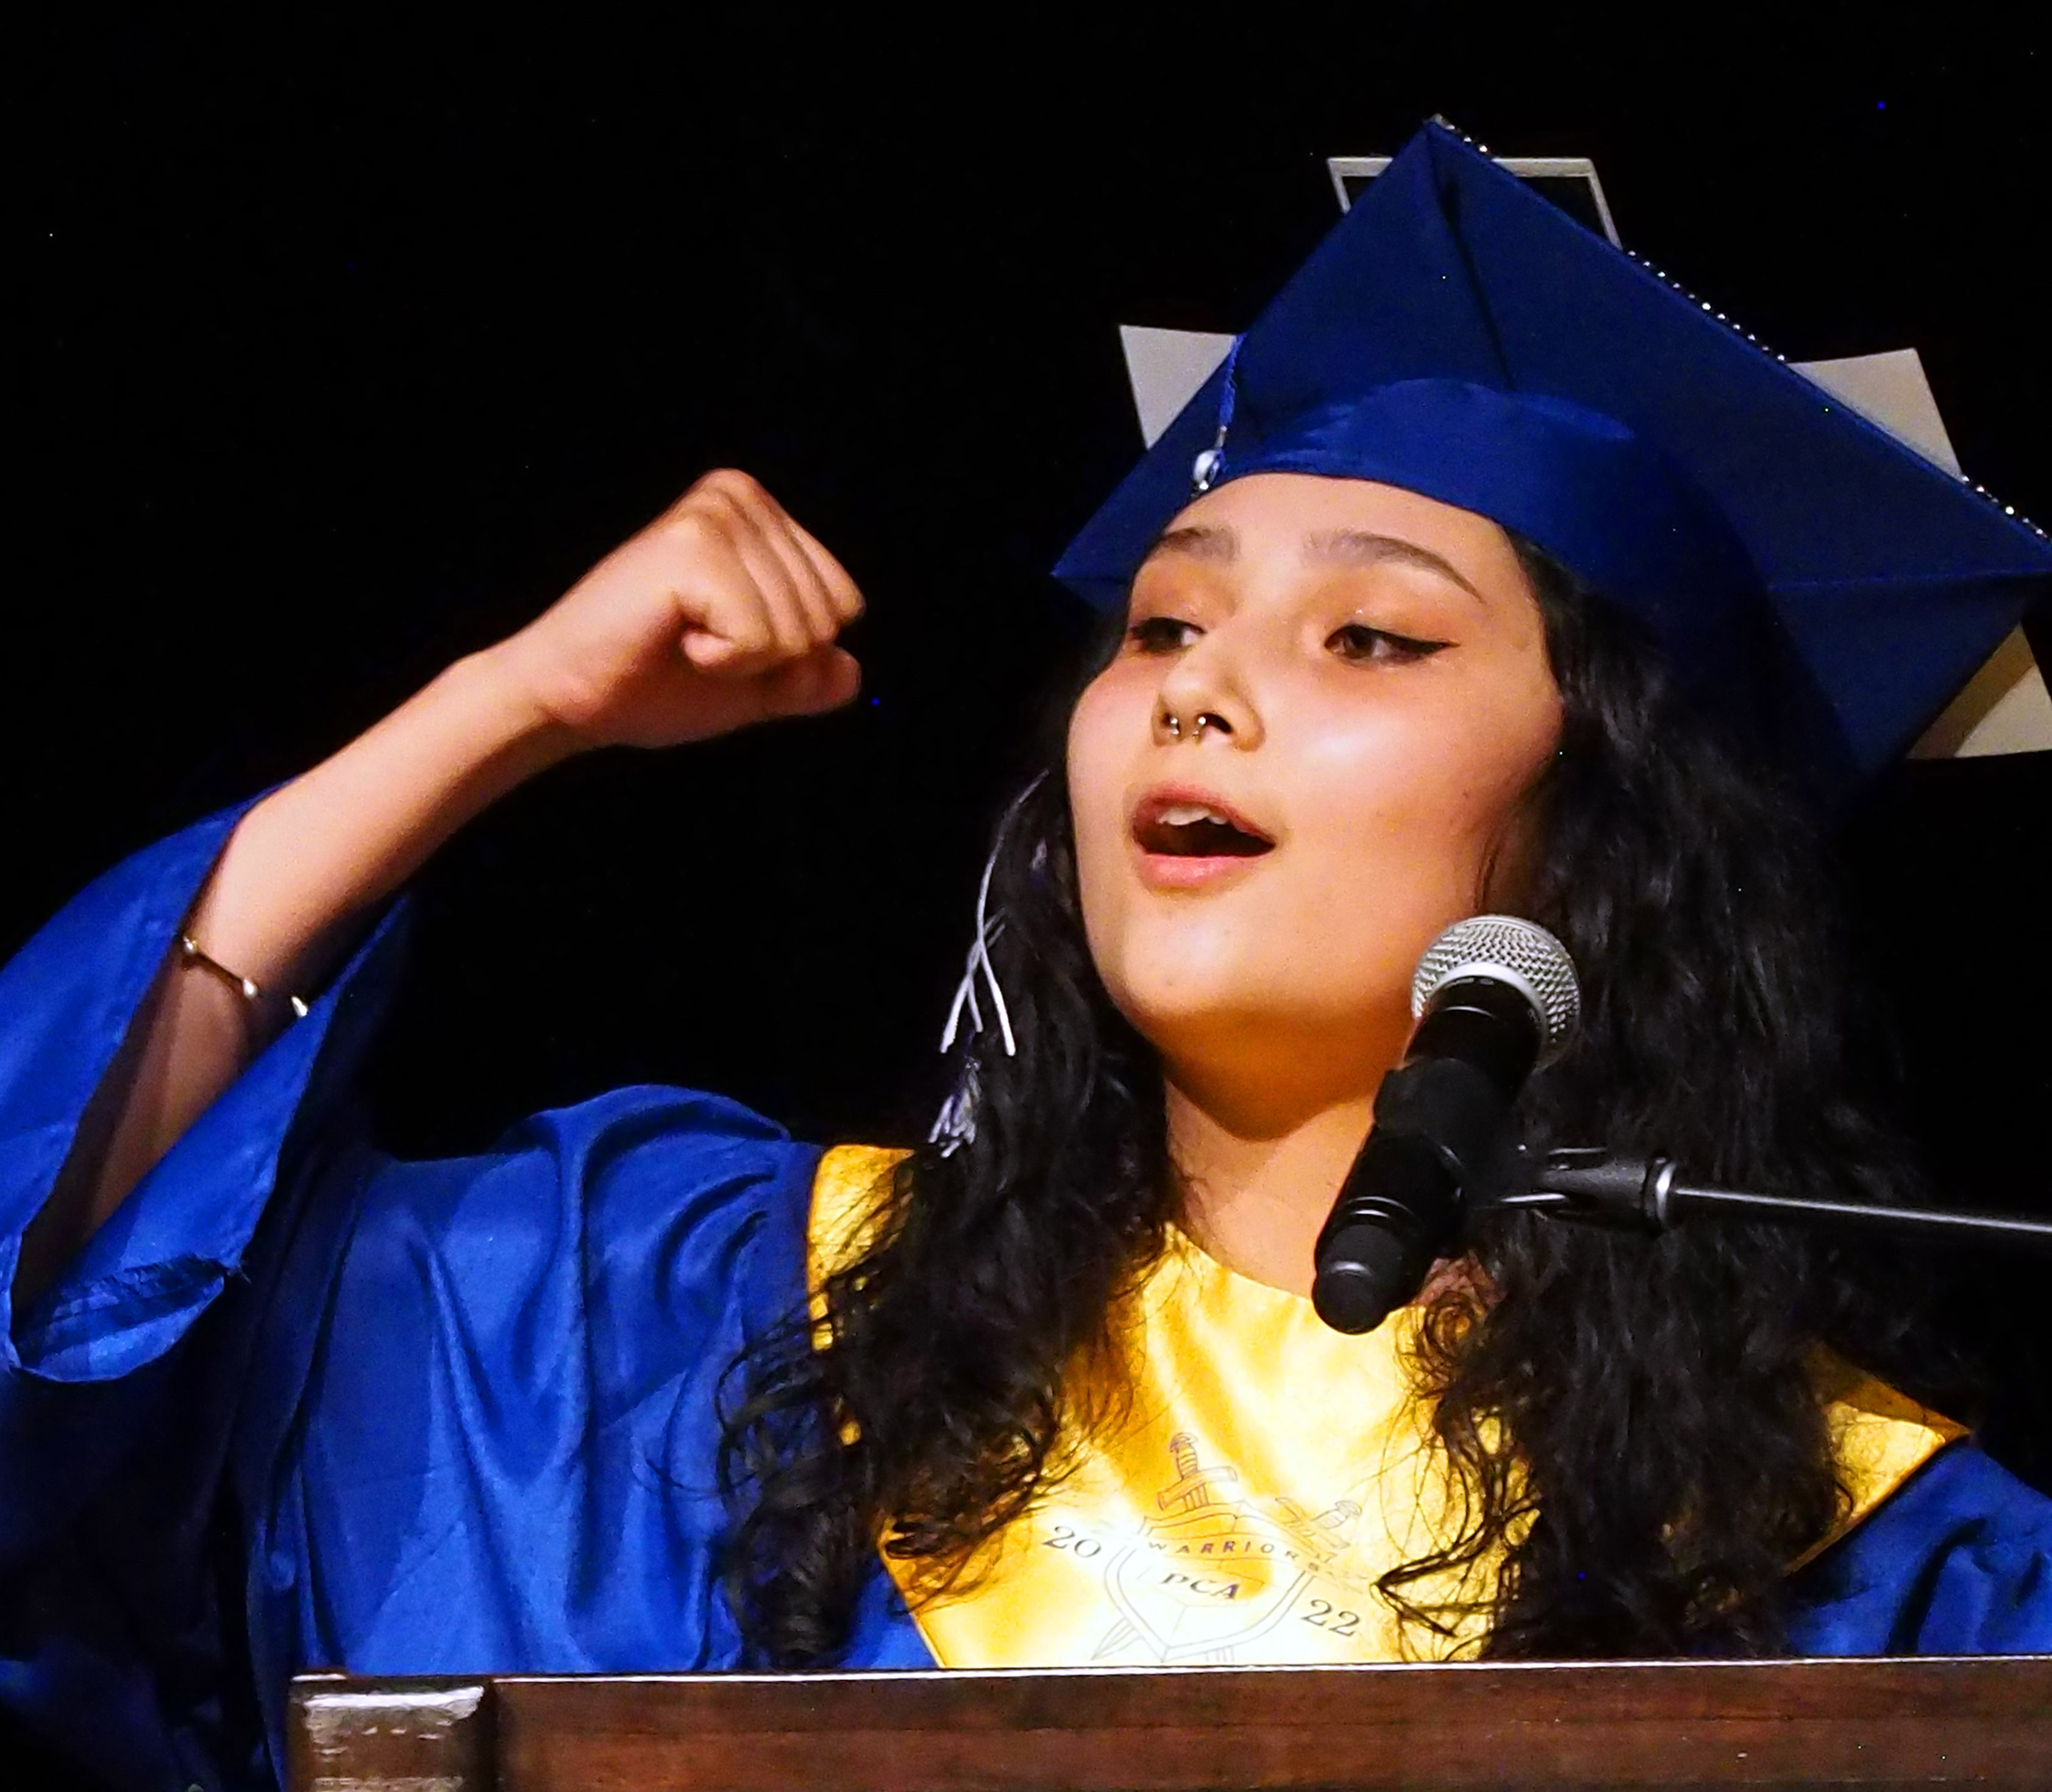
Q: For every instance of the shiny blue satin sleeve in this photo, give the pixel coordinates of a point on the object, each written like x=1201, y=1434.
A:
x=120, y=1632
x=300, y=1404
x=506, y=1450
x=82, y=1366
x=1957, y=1561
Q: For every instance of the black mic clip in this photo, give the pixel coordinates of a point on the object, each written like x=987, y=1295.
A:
x=1589, y=1184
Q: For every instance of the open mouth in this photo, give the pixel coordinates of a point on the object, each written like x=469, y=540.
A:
x=1178, y=828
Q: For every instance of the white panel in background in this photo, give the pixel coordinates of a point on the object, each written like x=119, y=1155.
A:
x=2005, y=709
x=1165, y=368
x=1889, y=390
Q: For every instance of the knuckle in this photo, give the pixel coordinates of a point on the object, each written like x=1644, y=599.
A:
x=703, y=525
x=750, y=628
x=736, y=486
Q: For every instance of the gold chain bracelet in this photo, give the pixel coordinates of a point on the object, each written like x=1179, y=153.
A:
x=247, y=987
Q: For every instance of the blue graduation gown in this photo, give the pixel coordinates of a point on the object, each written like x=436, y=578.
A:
x=299, y=1404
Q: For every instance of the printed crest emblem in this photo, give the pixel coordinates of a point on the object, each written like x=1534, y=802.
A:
x=1214, y=1572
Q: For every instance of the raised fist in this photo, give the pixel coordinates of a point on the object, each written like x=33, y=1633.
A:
x=723, y=611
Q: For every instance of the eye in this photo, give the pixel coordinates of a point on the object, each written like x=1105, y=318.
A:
x=1357, y=641
x=1162, y=634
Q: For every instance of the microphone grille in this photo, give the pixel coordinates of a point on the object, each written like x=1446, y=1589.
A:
x=1513, y=950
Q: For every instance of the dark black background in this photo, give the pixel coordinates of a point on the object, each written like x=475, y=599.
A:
x=343, y=348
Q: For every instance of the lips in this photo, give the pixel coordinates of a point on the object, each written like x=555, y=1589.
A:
x=1184, y=824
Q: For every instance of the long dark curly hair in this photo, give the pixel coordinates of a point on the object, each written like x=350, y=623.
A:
x=1635, y=1424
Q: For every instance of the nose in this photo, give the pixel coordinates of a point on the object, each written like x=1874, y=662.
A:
x=1202, y=697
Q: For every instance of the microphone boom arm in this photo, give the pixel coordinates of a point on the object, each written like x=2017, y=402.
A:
x=1641, y=1195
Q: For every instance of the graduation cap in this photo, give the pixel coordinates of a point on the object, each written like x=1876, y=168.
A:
x=1813, y=581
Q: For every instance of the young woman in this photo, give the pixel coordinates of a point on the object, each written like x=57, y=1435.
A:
x=649, y=1385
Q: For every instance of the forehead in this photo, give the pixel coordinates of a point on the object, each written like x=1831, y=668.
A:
x=1308, y=519
x=1291, y=505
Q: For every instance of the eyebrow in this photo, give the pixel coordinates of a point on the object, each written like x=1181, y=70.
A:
x=1359, y=548
x=1199, y=542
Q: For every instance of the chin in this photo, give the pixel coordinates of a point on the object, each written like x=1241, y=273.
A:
x=1198, y=992
x=1181, y=1003
x=1195, y=971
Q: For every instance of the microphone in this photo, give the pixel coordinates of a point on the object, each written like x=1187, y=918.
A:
x=1494, y=997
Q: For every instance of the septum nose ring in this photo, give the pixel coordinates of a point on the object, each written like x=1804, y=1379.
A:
x=1175, y=724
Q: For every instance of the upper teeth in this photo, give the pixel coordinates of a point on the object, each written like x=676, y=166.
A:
x=1183, y=814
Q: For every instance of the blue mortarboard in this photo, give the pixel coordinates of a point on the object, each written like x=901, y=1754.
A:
x=1812, y=580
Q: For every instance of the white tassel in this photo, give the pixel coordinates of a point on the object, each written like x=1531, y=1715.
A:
x=955, y=1125
x=979, y=959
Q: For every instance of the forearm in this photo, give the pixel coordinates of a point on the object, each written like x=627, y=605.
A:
x=296, y=877
x=317, y=853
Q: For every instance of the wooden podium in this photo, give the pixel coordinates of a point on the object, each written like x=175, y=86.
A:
x=1982, y=1721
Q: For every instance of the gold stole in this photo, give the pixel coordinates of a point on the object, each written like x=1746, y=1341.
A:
x=1268, y=1471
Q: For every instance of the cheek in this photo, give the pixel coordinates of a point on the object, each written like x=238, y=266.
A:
x=1405, y=812
x=1103, y=736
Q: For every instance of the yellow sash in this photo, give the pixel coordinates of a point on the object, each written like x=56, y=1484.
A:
x=1269, y=1472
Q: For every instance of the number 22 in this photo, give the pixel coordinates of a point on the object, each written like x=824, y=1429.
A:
x=1328, y=1617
